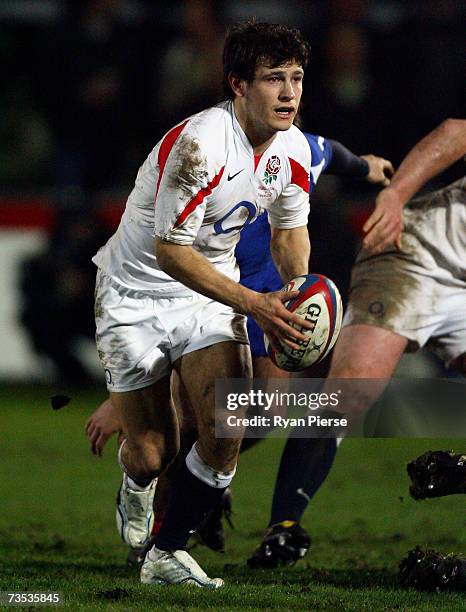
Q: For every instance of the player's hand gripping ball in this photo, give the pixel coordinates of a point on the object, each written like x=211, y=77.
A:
x=319, y=302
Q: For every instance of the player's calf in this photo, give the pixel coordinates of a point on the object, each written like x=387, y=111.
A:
x=197, y=489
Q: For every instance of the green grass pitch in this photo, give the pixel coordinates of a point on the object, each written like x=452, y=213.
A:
x=57, y=529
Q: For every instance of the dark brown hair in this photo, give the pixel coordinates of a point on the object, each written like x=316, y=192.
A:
x=250, y=44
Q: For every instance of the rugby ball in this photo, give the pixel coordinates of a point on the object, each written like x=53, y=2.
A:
x=319, y=302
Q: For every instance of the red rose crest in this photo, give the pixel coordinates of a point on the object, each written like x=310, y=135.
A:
x=272, y=169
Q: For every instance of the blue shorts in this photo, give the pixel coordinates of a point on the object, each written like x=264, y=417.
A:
x=258, y=272
x=264, y=281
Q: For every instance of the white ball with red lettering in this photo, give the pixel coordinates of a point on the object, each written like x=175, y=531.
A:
x=319, y=302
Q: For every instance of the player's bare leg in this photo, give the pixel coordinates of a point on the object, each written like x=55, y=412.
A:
x=104, y=422
x=264, y=367
x=188, y=433
x=151, y=442
x=222, y=360
x=207, y=471
x=365, y=352
x=149, y=420
x=163, y=492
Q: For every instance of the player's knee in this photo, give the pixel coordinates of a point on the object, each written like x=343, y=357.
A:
x=154, y=463
x=166, y=458
x=153, y=456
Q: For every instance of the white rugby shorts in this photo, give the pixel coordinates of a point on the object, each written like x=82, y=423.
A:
x=388, y=291
x=140, y=336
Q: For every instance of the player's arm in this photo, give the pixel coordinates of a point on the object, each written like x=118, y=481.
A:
x=288, y=217
x=332, y=157
x=433, y=154
x=191, y=268
x=372, y=168
x=291, y=250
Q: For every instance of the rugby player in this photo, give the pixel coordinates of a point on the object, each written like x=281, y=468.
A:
x=259, y=273
x=167, y=296
x=413, y=249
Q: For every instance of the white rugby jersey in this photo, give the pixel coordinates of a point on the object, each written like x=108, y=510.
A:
x=435, y=233
x=200, y=186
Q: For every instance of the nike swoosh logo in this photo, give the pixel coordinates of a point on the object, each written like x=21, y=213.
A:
x=304, y=494
x=230, y=178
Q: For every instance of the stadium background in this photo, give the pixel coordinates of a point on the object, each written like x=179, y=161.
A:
x=88, y=88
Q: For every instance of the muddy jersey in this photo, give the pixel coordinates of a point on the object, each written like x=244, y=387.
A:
x=419, y=292
x=435, y=233
x=434, y=236
x=200, y=186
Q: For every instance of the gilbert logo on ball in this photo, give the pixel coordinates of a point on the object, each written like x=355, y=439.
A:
x=319, y=302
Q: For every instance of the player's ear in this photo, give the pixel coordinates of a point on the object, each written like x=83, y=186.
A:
x=237, y=85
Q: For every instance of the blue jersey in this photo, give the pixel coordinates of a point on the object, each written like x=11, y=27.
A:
x=252, y=252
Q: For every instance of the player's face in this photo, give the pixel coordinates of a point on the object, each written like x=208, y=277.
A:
x=273, y=97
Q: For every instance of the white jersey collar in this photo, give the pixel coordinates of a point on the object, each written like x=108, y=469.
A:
x=237, y=129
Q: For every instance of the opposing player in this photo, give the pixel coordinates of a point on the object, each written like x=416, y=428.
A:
x=390, y=308
x=429, y=259
x=178, y=305
x=259, y=273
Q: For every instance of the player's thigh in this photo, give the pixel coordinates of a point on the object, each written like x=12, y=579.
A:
x=366, y=356
x=184, y=410
x=148, y=416
x=366, y=351
x=198, y=371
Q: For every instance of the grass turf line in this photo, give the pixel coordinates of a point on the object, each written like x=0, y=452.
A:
x=57, y=530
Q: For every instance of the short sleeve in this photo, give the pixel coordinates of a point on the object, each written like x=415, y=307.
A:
x=321, y=150
x=187, y=175
x=291, y=209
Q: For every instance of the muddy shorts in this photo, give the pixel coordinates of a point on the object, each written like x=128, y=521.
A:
x=392, y=292
x=139, y=336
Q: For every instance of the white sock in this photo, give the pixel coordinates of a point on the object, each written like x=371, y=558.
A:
x=199, y=469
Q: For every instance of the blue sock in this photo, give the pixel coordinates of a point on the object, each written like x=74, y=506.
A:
x=304, y=466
